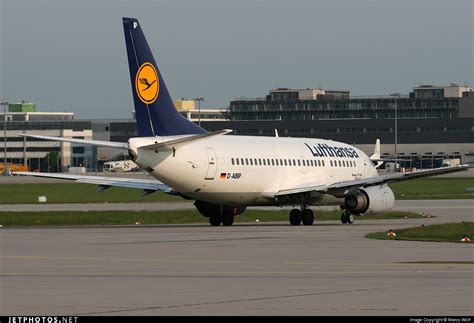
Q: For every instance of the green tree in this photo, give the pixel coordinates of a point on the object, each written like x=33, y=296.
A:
x=53, y=161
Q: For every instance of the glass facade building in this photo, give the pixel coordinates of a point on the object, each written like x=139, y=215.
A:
x=422, y=103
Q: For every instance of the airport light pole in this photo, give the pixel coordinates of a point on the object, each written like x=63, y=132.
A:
x=4, y=137
x=396, y=95
x=201, y=99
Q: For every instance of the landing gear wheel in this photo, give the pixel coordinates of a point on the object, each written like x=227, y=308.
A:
x=215, y=220
x=295, y=217
x=307, y=217
x=350, y=218
x=343, y=218
x=227, y=219
x=347, y=218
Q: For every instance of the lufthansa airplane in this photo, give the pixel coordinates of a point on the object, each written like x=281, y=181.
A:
x=225, y=174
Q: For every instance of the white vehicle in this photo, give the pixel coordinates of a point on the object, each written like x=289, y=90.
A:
x=225, y=174
x=120, y=166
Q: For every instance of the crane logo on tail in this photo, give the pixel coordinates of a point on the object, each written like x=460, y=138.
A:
x=147, y=83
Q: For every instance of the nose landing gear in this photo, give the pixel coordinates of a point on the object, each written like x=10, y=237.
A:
x=347, y=217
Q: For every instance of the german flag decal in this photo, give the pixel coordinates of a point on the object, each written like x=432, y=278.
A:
x=223, y=175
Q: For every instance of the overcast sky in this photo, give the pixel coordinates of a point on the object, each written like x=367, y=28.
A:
x=70, y=55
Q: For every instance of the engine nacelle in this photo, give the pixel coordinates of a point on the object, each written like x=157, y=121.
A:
x=208, y=209
x=369, y=200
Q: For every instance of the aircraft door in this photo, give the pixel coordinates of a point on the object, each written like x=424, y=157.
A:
x=212, y=163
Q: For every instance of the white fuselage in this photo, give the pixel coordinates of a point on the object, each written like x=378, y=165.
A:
x=246, y=170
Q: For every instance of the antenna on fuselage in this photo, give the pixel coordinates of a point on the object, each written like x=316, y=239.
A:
x=276, y=133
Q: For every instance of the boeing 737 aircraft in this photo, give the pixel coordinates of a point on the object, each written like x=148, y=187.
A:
x=225, y=174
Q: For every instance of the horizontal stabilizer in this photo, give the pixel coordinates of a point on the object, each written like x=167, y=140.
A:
x=100, y=143
x=172, y=142
x=105, y=181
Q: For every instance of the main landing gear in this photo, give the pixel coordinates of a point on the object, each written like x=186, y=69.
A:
x=304, y=215
x=347, y=217
x=226, y=218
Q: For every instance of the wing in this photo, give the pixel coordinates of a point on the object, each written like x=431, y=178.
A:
x=148, y=186
x=346, y=188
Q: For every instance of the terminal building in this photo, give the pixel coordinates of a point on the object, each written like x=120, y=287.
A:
x=39, y=154
x=433, y=124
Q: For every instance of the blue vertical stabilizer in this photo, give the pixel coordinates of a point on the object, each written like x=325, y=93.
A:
x=154, y=109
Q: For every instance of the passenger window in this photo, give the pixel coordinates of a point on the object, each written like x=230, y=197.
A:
x=232, y=160
x=273, y=162
x=339, y=163
x=260, y=162
x=285, y=162
x=331, y=162
x=255, y=161
x=323, y=163
x=237, y=161
x=299, y=162
x=251, y=162
x=264, y=164
x=303, y=163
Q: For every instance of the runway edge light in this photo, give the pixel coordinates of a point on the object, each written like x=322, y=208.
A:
x=465, y=239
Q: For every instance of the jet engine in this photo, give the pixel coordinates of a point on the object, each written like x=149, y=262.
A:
x=369, y=200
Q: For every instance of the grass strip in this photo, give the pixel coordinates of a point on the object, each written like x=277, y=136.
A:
x=60, y=193
x=434, y=188
x=65, y=218
x=449, y=232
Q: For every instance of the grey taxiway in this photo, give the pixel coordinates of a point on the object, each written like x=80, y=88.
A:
x=246, y=269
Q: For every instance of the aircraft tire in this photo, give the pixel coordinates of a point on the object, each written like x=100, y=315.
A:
x=343, y=218
x=215, y=220
x=227, y=219
x=295, y=217
x=350, y=218
x=307, y=217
